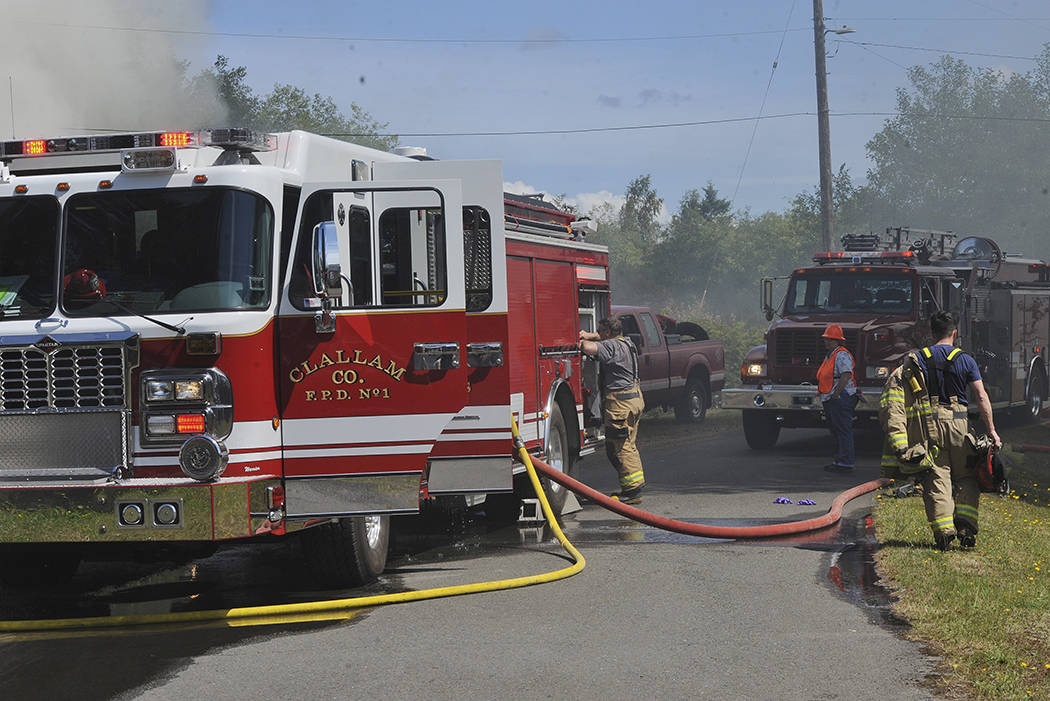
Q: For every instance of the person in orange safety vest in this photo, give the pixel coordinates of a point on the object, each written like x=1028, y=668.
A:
x=838, y=392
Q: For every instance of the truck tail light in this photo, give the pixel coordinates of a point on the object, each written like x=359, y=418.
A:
x=35, y=147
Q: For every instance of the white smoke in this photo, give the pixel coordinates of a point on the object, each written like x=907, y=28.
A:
x=75, y=66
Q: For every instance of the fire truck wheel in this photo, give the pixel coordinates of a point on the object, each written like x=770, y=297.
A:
x=559, y=456
x=693, y=406
x=1036, y=398
x=349, y=552
x=20, y=570
x=761, y=429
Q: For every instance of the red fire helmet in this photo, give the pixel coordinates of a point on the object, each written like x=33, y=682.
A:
x=834, y=331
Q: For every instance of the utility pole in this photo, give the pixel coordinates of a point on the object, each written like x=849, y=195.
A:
x=827, y=215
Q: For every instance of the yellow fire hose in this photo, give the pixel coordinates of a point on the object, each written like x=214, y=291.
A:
x=331, y=609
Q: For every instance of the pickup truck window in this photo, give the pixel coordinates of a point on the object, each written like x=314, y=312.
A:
x=652, y=335
x=631, y=330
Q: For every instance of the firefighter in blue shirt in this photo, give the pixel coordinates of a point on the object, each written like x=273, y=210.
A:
x=951, y=492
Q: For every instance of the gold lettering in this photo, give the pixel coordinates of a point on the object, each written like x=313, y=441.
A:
x=342, y=394
x=325, y=395
x=311, y=395
x=340, y=358
x=376, y=362
x=394, y=371
x=325, y=361
x=296, y=375
x=364, y=394
x=357, y=357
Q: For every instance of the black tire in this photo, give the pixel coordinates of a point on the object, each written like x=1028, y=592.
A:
x=349, y=552
x=761, y=429
x=560, y=457
x=29, y=569
x=1035, y=399
x=692, y=407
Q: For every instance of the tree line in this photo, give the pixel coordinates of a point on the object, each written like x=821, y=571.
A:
x=966, y=153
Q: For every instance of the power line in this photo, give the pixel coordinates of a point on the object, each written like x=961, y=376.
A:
x=938, y=51
x=762, y=108
x=409, y=40
x=678, y=125
x=940, y=19
x=637, y=127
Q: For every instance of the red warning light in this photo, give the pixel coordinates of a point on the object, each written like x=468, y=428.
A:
x=176, y=138
x=34, y=147
x=189, y=423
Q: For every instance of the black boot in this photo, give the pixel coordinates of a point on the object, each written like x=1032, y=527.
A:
x=944, y=538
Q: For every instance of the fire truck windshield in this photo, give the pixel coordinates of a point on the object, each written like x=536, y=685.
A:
x=154, y=251
x=28, y=237
x=851, y=293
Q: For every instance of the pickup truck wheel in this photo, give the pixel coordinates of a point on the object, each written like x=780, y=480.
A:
x=692, y=408
x=349, y=552
x=761, y=429
x=559, y=456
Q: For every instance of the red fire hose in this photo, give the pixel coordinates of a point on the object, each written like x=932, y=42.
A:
x=699, y=529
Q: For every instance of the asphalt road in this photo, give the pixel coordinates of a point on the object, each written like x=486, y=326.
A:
x=653, y=614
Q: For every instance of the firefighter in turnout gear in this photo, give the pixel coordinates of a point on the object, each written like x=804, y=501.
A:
x=923, y=410
x=622, y=403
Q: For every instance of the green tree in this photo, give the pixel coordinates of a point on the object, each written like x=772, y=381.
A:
x=288, y=107
x=712, y=205
x=967, y=153
x=631, y=233
x=686, y=259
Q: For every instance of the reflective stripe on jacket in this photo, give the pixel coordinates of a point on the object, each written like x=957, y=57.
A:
x=906, y=417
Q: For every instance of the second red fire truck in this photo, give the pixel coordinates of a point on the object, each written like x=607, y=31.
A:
x=882, y=291
x=219, y=335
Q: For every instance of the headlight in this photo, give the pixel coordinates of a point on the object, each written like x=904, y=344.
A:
x=755, y=370
x=189, y=390
x=159, y=390
x=877, y=372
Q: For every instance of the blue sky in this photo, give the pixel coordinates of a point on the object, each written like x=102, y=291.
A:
x=610, y=64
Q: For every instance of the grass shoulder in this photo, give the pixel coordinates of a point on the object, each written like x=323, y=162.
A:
x=985, y=611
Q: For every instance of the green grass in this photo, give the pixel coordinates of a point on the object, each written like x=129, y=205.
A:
x=985, y=611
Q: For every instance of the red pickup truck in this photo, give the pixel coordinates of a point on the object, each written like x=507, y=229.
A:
x=679, y=367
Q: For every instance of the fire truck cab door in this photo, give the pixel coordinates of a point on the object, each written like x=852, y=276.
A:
x=365, y=399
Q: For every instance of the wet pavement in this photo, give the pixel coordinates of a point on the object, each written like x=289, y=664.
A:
x=103, y=664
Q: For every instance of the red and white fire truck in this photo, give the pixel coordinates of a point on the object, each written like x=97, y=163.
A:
x=218, y=335
x=882, y=290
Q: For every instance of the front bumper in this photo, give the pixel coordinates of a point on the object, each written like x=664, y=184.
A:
x=211, y=511
x=782, y=398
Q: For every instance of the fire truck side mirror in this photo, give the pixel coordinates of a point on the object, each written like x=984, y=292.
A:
x=767, y=298
x=327, y=274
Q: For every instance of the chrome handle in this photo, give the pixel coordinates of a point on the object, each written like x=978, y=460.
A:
x=435, y=356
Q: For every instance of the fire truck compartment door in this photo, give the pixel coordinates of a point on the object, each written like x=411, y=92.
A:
x=364, y=405
x=473, y=453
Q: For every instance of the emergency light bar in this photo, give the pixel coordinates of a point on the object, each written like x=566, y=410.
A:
x=868, y=257
x=238, y=139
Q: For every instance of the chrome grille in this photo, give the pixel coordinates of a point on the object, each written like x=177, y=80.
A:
x=69, y=378
x=804, y=347
x=65, y=407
